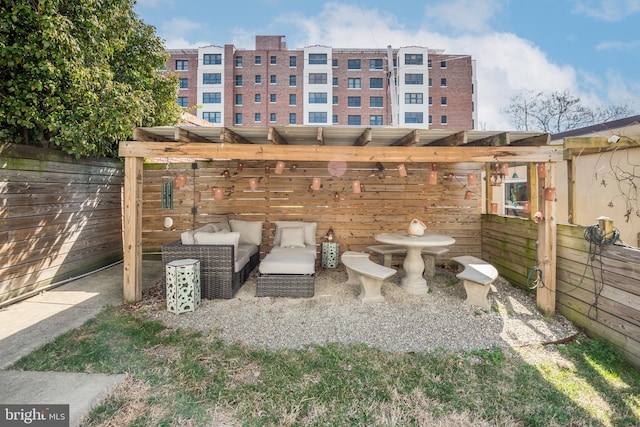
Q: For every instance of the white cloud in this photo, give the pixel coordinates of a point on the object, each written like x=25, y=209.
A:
x=464, y=15
x=505, y=63
x=607, y=10
x=619, y=45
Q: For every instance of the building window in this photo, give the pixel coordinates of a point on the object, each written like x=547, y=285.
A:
x=430, y=119
x=238, y=60
x=354, y=120
x=443, y=100
x=293, y=81
x=375, y=64
x=212, y=78
x=430, y=82
x=335, y=100
x=317, y=58
x=293, y=61
x=292, y=118
x=211, y=98
x=184, y=83
x=272, y=117
x=354, y=101
x=443, y=120
x=318, y=78
x=238, y=99
x=375, y=83
x=335, y=81
x=413, y=59
x=257, y=60
x=183, y=101
x=354, y=83
x=258, y=79
x=212, y=59
x=211, y=117
x=317, y=97
x=272, y=60
x=413, y=79
x=182, y=64
x=375, y=101
x=413, y=98
x=412, y=117
x=292, y=99
x=443, y=64
x=375, y=120
x=273, y=79
x=334, y=119
x=334, y=63
x=430, y=101
x=318, y=117
x=239, y=80
x=257, y=118
x=428, y=63
x=443, y=82
x=238, y=119
x=257, y=98
x=272, y=98
x=353, y=64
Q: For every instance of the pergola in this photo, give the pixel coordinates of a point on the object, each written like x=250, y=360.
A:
x=351, y=144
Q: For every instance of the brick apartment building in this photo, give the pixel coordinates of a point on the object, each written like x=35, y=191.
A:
x=324, y=86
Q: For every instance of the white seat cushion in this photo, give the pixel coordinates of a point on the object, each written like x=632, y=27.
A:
x=308, y=249
x=288, y=261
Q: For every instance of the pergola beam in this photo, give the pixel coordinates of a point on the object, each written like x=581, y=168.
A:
x=275, y=138
x=349, y=154
x=183, y=135
x=364, y=138
x=412, y=138
x=456, y=139
x=227, y=135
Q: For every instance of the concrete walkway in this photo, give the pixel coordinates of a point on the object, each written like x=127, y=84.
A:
x=29, y=324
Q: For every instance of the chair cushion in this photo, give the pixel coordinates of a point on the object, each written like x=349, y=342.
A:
x=250, y=231
x=289, y=261
x=219, y=238
x=309, y=231
x=308, y=249
x=292, y=237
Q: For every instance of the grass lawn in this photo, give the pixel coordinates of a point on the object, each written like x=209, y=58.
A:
x=188, y=378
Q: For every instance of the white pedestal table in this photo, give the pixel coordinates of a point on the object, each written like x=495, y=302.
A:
x=413, y=282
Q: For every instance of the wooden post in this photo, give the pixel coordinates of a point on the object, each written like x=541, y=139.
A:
x=546, y=295
x=571, y=187
x=532, y=188
x=132, y=277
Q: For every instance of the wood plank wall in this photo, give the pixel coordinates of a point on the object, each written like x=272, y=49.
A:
x=597, y=288
x=509, y=244
x=388, y=203
x=60, y=218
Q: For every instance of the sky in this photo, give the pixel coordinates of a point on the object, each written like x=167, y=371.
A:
x=590, y=48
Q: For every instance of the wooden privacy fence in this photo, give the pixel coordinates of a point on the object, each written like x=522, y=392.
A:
x=597, y=286
x=387, y=203
x=60, y=218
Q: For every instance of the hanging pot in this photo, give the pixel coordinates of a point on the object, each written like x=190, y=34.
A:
x=416, y=228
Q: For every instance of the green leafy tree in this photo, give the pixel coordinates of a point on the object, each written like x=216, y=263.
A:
x=557, y=112
x=80, y=75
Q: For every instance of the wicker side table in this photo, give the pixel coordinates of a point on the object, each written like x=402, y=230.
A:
x=330, y=251
x=183, y=285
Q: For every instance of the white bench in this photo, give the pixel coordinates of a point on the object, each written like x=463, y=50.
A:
x=386, y=252
x=477, y=276
x=366, y=273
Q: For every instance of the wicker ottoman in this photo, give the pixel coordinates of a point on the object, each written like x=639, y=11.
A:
x=286, y=274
